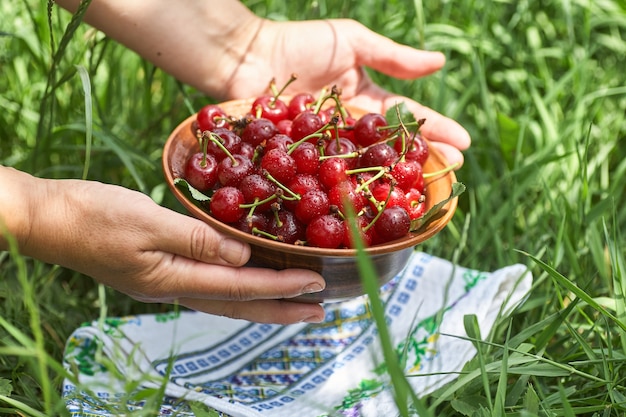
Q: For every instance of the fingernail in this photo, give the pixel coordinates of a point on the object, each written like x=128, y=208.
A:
x=313, y=288
x=231, y=251
x=313, y=319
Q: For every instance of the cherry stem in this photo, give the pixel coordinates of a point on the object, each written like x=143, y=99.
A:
x=380, y=207
x=419, y=201
x=319, y=133
x=258, y=202
x=276, y=93
x=269, y=176
x=205, y=145
x=217, y=140
x=279, y=222
x=342, y=155
x=380, y=172
x=256, y=231
x=441, y=171
x=320, y=101
x=334, y=95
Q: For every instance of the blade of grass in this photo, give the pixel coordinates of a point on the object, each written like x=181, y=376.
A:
x=86, y=83
x=35, y=321
x=563, y=281
x=500, y=396
x=401, y=387
x=618, y=266
x=22, y=407
x=472, y=329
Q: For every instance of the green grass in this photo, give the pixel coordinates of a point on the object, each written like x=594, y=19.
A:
x=540, y=86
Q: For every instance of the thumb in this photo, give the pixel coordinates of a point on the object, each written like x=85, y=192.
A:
x=384, y=55
x=189, y=237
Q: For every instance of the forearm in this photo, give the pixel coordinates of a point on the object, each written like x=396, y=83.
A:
x=16, y=191
x=201, y=43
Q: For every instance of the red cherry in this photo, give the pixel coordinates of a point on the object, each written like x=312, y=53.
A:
x=342, y=146
x=345, y=193
x=312, y=204
x=416, y=203
x=380, y=154
x=201, y=172
x=307, y=157
x=332, y=171
x=299, y=104
x=417, y=148
x=302, y=183
x=382, y=191
x=231, y=171
x=255, y=188
x=247, y=150
x=408, y=174
x=211, y=117
x=347, y=130
x=256, y=220
x=279, y=141
x=326, y=231
x=258, y=131
x=286, y=227
x=367, y=236
x=393, y=223
x=327, y=114
x=367, y=129
x=299, y=185
x=225, y=204
x=269, y=107
x=228, y=139
x=279, y=165
x=284, y=126
x=305, y=124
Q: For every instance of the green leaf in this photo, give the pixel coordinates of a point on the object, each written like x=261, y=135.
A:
x=5, y=387
x=86, y=83
x=509, y=135
x=469, y=405
x=399, y=113
x=566, y=283
x=191, y=192
x=531, y=400
x=435, y=212
x=538, y=369
x=201, y=410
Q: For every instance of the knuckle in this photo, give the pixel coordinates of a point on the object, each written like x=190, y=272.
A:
x=202, y=244
x=231, y=310
x=235, y=290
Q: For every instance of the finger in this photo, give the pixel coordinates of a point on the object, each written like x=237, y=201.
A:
x=382, y=54
x=437, y=127
x=450, y=153
x=260, y=311
x=185, y=236
x=183, y=277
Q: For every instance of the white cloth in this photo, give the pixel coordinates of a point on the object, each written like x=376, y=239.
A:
x=238, y=368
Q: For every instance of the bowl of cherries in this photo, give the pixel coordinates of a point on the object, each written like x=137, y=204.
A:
x=308, y=181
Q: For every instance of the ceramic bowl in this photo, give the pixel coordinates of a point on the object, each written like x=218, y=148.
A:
x=337, y=266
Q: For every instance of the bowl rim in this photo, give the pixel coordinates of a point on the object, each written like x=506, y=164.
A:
x=414, y=239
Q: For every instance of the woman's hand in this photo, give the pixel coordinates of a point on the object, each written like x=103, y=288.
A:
x=324, y=53
x=123, y=239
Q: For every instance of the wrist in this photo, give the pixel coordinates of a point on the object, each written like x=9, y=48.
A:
x=39, y=213
x=200, y=43
x=227, y=46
